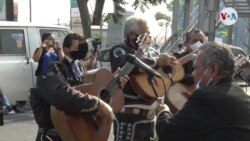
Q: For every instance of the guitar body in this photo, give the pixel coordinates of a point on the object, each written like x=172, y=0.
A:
x=95, y=83
x=145, y=90
x=178, y=95
x=76, y=127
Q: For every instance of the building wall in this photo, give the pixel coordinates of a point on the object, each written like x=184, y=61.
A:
x=8, y=10
x=3, y=10
x=241, y=35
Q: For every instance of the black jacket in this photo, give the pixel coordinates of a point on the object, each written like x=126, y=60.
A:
x=118, y=58
x=55, y=90
x=214, y=113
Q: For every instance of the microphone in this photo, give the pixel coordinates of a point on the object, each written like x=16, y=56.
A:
x=134, y=60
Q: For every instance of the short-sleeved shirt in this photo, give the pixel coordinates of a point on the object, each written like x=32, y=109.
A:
x=48, y=58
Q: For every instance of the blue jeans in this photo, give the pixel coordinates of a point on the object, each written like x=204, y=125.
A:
x=4, y=101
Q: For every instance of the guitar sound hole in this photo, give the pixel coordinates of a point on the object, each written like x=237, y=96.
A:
x=105, y=95
x=167, y=69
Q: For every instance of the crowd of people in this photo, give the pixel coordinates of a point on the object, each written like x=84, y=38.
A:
x=217, y=108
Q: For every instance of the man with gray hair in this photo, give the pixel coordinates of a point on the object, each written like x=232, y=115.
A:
x=218, y=110
x=136, y=121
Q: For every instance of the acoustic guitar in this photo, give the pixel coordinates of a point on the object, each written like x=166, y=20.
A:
x=76, y=127
x=158, y=87
x=101, y=83
x=179, y=93
x=170, y=75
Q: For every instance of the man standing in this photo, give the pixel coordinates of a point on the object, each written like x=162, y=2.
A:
x=194, y=38
x=136, y=121
x=56, y=89
x=218, y=110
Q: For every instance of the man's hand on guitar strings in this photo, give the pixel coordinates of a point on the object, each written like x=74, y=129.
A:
x=122, y=80
x=165, y=59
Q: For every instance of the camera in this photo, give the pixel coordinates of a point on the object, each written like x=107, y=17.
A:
x=51, y=43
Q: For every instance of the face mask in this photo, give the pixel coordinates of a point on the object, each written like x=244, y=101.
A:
x=83, y=48
x=198, y=83
x=195, y=46
x=135, y=45
x=81, y=53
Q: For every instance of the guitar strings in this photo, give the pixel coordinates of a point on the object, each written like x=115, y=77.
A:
x=128, y=67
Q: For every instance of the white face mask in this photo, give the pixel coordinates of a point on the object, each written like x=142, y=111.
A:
x=208, y=82
x=196, y=45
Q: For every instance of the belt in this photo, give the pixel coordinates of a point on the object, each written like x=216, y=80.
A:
x=149, y=114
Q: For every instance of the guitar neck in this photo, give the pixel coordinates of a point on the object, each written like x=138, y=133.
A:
x=128, y=67
x=183, y=60
x=125, y=70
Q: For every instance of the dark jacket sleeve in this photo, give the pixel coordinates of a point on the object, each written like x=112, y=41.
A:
x=56, y=91
x=190, y=123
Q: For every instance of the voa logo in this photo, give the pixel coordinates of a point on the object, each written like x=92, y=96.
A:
x=228, y=16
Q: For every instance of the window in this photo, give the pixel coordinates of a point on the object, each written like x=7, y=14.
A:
x=12, y=42
x=60, y=34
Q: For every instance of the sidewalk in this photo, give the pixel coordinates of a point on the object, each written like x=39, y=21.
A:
x=19, y=127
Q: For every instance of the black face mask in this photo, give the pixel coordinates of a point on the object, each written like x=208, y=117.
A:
x=81, y=53
x=135, y=46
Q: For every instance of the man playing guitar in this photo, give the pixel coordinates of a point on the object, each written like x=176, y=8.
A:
x=192, y=37
x=56, y=89
x=135, y=122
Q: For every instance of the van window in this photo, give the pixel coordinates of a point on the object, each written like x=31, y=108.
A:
x=59, y=34
x=12, y=42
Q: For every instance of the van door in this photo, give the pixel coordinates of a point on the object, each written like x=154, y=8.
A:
x=15, y=66
x=37, y=33
x=60, y=34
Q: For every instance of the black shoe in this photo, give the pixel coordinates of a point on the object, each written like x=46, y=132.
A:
x=19, y=110
x=9, y=108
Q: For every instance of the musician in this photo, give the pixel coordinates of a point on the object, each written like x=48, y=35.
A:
x=56, y=89
x=218, y=110
x=192, y=37
x=135, y=122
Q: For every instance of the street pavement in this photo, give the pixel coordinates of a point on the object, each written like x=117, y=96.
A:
x=19, y=127
x=22, y=127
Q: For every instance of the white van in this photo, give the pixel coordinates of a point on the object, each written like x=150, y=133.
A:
x=17, y=44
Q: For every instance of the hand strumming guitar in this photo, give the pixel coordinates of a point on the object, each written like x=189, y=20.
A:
x=162, y=107
x=165, y=59
x=105, y=113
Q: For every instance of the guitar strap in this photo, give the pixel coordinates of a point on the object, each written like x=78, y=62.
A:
x=150, y=81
